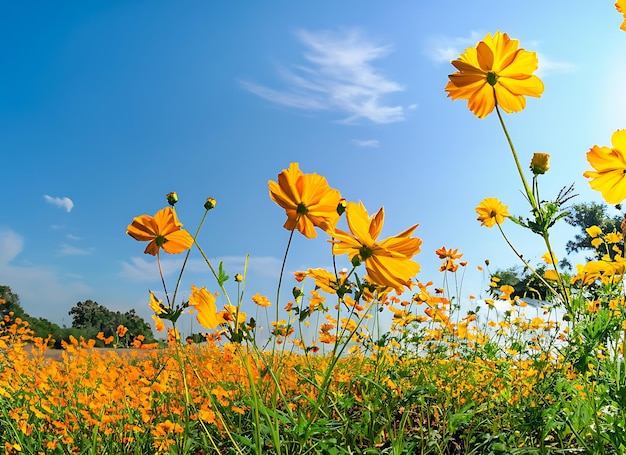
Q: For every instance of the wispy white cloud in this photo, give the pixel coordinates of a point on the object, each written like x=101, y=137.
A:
x=548, y=66
x=41, y=290
x=339, y=75
x=62, y=202
x=69, y=250
x=366, y=142
x=443, y=49
x=11, y=244
x=145, y=269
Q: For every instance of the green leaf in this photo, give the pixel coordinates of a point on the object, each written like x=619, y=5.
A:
x=221, y=275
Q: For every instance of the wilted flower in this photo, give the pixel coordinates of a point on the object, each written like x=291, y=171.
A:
x=540, y=163
x=163, y=230
x=609, y=176
x=491, y=211
x=308, y=200
x=495, y=71
x=388, y=262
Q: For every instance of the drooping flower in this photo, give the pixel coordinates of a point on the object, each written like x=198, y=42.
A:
x=609, y=176
x=540, y=163
x=620, y=5
x=163, y=230
x=307, y=199
x=204, y=304
x=491, y=211
x=388, y=262
x=496, y=70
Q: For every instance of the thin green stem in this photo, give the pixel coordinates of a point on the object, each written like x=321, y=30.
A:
x=521, y=258
x=182, y=269
x=529, y=193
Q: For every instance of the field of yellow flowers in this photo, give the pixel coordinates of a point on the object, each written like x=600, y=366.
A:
x=512, y=376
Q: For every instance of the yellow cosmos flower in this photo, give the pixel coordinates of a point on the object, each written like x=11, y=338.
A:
x=551, y=274
x=594, y=231
x=495, y=71
x=614, y=237
x=156, y=305
x=621, y=7
x=540, y=163
x=204, y=304
x=491, y=211
x=121, y=330
x=596, y=242
x=261, y=300
x=163, y=230
x=549, y=258
x=308, y=200
x=159, y=325
x=324, y=280
x=609, y=176
x=388, y=262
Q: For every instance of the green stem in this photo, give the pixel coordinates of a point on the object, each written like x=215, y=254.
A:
x=529, y=193
x=180, y=275
x=521, y=258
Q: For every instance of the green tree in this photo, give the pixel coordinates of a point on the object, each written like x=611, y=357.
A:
x=10, y=302
x=91, y=318
x=589, y=214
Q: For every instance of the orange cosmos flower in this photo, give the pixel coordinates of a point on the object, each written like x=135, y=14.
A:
x=261, y=300
x=621, y=7
x=163, y=230
x=495, y=71
x=609, y=176
x=159, y=325
x=204, y=304
x=121, y=331
x=388, y=262
x=307, y=199
x=491, y=211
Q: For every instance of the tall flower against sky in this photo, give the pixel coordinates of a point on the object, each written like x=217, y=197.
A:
x=388, y=262
x=307, y=199
x=163, y=230
x=491, y=211
x=496, y=70
x=609, y=174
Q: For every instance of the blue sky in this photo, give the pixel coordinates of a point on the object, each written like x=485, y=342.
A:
x=107, y=106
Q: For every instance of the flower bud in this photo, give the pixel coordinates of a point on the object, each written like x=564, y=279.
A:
x=238, y=277
x=341, y=207
x=172, y=198
x=210, y=203
x=540, y=163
